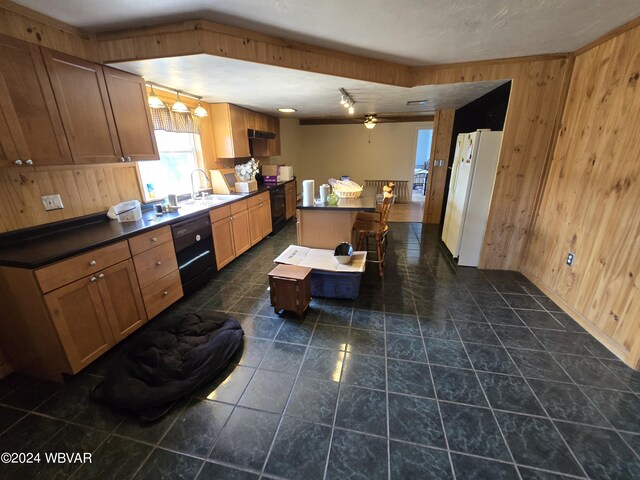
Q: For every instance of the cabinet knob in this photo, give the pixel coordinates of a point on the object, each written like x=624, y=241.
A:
x=92, y=263
x=165, y=293
x=154, y=239
x=18, y=162
x=29, y=162
x=92, y=279
x=128, y=159
x=122, y=159
x=158, y=262
x=101, y=275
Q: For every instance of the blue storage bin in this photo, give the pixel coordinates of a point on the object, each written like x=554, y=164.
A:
x=334, y=284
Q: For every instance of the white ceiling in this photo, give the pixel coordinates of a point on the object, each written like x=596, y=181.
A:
x=412, y=32
x=265, y=88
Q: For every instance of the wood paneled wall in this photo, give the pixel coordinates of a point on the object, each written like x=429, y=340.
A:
x=84, y=190
x=436, y=181
x=534, y=103
x=590, y=203
x=31, y=26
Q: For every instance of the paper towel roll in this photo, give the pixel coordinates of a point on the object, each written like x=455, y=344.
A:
x=308, y=189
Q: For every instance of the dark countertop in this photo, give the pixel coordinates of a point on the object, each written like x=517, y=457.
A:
x=365, y=203
x=49, y=243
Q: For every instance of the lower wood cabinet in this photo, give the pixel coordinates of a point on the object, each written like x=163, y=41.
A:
x=291, y=193
x=93, y=313
x=231, y=232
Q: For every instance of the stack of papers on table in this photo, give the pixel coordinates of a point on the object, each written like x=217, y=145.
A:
x=320, y=259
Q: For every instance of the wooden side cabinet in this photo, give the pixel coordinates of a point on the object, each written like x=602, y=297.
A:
x=290, y=288
x=229, y=130
x=291, y=193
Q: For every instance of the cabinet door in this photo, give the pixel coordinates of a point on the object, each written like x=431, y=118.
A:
x=30, y=114
x=83, y=100
x=241, y=232
x=122, y=299
x=265, y=218
x=128, y=96
x=274, y=144
x=239, y=132
x=80, y=320
x=289, y=201
x=255, y=224
x=223, y=242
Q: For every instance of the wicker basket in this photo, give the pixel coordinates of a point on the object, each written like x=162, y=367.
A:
x=343, y=194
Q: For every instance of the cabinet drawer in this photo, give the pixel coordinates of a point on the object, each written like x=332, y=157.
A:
x=219, y=213
x=142, y=243
x=66, y=271
x=238, y=207
x=257, y=199
x=161, y=294
x=154, y=264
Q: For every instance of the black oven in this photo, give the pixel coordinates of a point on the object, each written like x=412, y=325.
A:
x=278, y=208
x=193, y=242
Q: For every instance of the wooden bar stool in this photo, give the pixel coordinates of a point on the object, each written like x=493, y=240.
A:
x=374, y=225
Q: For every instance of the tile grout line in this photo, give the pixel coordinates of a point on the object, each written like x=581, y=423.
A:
x=484, y=393
x=538, y=399
x=435, y=393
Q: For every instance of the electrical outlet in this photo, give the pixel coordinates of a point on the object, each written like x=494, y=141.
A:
x=570, y=257
x=52, y=202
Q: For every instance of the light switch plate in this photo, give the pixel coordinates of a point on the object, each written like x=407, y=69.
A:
x=52, y=202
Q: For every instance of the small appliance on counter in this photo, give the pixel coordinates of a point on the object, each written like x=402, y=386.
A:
x=129, y=211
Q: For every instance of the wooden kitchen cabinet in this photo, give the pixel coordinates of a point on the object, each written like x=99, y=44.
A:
x=223, y=242
x=231, y=233
x=240, y=226
x=81, y=93
x=273, y=145
x=290, y=191
x=31, y=131
x=259, y=216
x=156, y=267
x=229, y=130
x=80, y=320
x=128, y=98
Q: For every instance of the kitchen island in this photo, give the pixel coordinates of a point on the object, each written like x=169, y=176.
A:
x=325, y=226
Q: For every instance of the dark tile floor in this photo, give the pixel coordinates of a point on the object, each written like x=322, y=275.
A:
x=436, y=372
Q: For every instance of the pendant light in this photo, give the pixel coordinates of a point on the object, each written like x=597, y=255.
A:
x=178, y=106
x=200, y=111
x=154, y=101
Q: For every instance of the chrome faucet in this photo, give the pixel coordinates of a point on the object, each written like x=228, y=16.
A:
x=194, y=195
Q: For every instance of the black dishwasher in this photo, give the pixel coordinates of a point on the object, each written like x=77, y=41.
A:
x=193, y=243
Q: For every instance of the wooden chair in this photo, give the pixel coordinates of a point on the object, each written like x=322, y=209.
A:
x=374, y=225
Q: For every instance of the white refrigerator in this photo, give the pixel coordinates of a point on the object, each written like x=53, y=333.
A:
x=470, y=188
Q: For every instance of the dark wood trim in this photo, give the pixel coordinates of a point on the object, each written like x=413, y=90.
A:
x=360, y=119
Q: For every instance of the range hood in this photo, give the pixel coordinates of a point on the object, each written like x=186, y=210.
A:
x=261, y=134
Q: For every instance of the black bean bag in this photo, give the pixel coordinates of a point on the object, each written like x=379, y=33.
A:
x=168, y=361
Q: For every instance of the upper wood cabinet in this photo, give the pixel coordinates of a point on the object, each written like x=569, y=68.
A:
x=229, y=130
x=31, y=131
x=128, y=96
x=274, y=145
x=81, y=93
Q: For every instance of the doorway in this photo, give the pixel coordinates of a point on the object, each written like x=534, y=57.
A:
x=413, y=211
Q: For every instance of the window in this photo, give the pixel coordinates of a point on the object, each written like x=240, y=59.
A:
x=172, y=173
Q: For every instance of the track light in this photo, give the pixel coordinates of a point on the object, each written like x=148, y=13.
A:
x=154, y=101
x=346, y=101
x=200, y=111
x=178, y=106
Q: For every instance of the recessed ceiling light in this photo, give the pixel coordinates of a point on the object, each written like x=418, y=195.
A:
x=287, y=110
x=417, y=102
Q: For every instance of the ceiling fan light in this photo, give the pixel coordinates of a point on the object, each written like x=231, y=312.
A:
x=370, y=121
